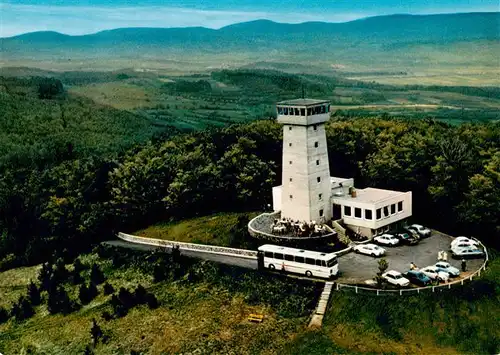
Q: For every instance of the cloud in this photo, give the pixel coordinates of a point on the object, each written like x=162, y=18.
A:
x=77, y=20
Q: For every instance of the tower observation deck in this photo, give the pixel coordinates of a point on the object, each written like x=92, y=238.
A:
x=305, y=190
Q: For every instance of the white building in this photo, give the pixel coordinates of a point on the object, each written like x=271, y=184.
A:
x=309, y=193
x=305, y=190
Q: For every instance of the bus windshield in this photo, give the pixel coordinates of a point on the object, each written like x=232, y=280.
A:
x=333, y=261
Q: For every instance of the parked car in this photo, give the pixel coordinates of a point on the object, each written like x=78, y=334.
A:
x=467, y=252
x=464, y=240
x=463, y=244
x=434, y=274
x=421, y=230
x=405, y=238
x=387, y=239
x=396, y=278
x=369, y=249
x=446, y=267
x=418, y=278
x=412, y=232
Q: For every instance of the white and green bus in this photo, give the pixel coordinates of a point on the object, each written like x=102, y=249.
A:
x=299, y=261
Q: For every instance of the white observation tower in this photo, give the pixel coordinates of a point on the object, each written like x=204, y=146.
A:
x=306, y=188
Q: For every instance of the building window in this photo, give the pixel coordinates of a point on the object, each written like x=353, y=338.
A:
x=347, y=210
x=379, y=213
x=368, y=214
x=400, y=206
x=357, y=212
x=317, y=162
x=318, y=179
x=315, y=127
x=321, y=213
x=291, y=179
x=393, y=208
x=386, y=211
x=316, y=144
x=290, y=128
x=320, y=196
x=290, y=110
x=289, y=144
x=302, y=111
x=297, y=112
x=291, y=196
x=285, y=110
x=280, y=110
x=290, y=162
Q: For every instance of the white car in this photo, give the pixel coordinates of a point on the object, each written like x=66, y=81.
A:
x=395, y=278
x=369, y=249
x=387, y=239
x=421, y=230
x=446, y=267
x=434, y=273
x=467, y=252
x=463, y=242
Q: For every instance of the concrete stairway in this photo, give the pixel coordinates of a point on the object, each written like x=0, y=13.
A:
x=317, y=318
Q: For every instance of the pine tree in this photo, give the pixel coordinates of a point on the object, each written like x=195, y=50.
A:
x=151, y=301
x=4, y=315
x=140, y=295
x=34, y=294
x=96, y=275
x=44, y=276
x=95, y=332
x=83, y=294
x=92, y=289
x=108, y=289
x=60, y=274
x=126, y=298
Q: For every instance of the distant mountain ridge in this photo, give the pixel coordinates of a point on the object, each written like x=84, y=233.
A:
x=379, y=33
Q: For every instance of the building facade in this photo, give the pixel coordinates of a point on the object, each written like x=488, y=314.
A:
x=305, y=188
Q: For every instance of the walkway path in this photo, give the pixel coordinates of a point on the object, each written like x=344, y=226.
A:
x=317, y=318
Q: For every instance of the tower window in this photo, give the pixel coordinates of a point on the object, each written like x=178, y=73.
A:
x=289, y=144
x=297, y=112
x=302, y=111
x=400, y=206
x=315, y=127
x=309, y=112
x=285, y=110
x=357, y=212
x=393, y=208
x=347, y=210
x=290, y=162
x=379, y=213
x=368, y=214
x=321, y=213
x=291, y=196
x=316, y=144
x=318, y=179
x=291, y=179
x=317, y=162
x=290, y=128
x=320, y=196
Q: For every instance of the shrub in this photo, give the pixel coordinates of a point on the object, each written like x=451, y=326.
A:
x=106, y=316
x=60, y=274
x=59, y=301
x=22, y=309
x=44, y=276
x=151, y=301
x=108, y=289
x=83, y=294
x=34, y=294
x=126, y=298
x=93, y=292
x=140, y=295
x=95, y=332
x=96, y=275
x=4, y=315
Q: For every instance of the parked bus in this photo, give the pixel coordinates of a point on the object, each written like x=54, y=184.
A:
x=299, y=261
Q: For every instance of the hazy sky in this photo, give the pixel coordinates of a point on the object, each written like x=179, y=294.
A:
x=89, y=16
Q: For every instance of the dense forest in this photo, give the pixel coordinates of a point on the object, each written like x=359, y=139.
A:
x=75, y=200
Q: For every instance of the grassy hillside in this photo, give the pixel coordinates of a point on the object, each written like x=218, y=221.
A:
x=206, y=310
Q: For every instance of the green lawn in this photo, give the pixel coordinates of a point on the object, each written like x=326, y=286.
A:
x=213, y=229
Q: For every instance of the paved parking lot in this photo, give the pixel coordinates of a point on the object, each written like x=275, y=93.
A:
x=357, y=268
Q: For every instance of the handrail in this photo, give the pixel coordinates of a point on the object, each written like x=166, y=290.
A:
x=340, y=286
x=250, y=254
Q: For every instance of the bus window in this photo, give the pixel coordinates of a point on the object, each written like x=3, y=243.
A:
x=323, y=263
x=289, y=257
x=268, y=254
x=309, y=261
x=299, y=259
x=278, y=256
x=318, y=262
x=332, y=262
